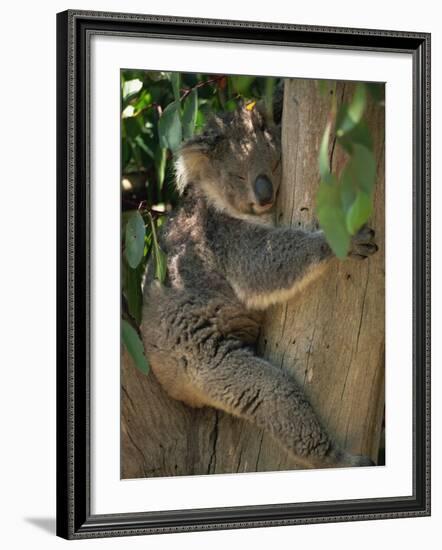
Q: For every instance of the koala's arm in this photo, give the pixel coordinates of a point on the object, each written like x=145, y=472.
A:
x=267, y=265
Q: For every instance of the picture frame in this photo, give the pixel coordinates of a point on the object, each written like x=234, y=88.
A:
x=75, y=400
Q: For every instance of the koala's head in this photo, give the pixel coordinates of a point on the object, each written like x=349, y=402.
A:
x=235, y=162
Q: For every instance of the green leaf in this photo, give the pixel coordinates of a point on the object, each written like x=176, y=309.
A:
x=128, y=111
x=324, y=161
x=352, y=114
x=131, y=87
x=160, y=258
x=332, y=218
x=230, y=105
x=134, y=346
x=359, y=212
x=376, y=90
x=169, y=127
x=333, y=224
x=175, y=79
x=147, y=244
x=160, y=166
x=361, y=168
x=189, y=114
x=143, y=101
x=142, y=145
x=132, y=290
x=160, y=262
x=134, y=243
x=131, y=127
x=241, y=84
x=126, y=153
x=201, y=120
x=360, y=135
x=348, y=191
x=358, y=102
x=156, y=76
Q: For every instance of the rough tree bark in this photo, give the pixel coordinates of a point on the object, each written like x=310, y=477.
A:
x=331, y=338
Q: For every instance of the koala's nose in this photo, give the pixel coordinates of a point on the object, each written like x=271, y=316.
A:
x=263, y=190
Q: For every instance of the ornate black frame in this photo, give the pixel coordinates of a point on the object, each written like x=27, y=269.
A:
x=74, y=29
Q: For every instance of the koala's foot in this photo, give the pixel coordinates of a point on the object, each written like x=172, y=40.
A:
x=363, y=244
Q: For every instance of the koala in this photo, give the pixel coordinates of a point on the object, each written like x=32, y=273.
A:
x=227, y=263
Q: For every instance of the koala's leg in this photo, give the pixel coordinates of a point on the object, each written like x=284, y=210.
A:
x=250, y=387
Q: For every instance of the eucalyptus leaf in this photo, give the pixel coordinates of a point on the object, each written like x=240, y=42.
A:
x=169, y=127
x=131, y=87
x=332, y=218
x=157, y=76
x=160, y=166
x=134, y=242
x=134, y=346
x=328, y=193
x=126, y=153
x=230, y=105
x=142, y=145
x=352, y=113
x=160, y=259
x=324, y=160
x=348, y=191
x=131, y=127
x=242, y=84
x=359, y=212
x=361, y=168
x=147, y=245
x=189, y=114
x=143, y=101
x=376, y=90
x=133, y=291
x=175, y=79
x=359, y=135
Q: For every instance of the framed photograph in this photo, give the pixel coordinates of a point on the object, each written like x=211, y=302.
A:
x=243, y=248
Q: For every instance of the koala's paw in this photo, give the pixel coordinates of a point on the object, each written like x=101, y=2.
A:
x=363, y=244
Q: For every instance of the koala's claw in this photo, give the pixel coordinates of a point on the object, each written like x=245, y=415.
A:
x=363, y=244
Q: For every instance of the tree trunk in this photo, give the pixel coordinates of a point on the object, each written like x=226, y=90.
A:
x=331, y=338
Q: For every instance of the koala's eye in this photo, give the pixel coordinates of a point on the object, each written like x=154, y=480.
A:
x=237, y=176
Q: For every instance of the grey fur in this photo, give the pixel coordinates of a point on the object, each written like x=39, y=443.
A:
x=226, y=263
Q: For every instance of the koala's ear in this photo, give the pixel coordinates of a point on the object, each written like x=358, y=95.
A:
x=204, y=143
x=193, y=159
